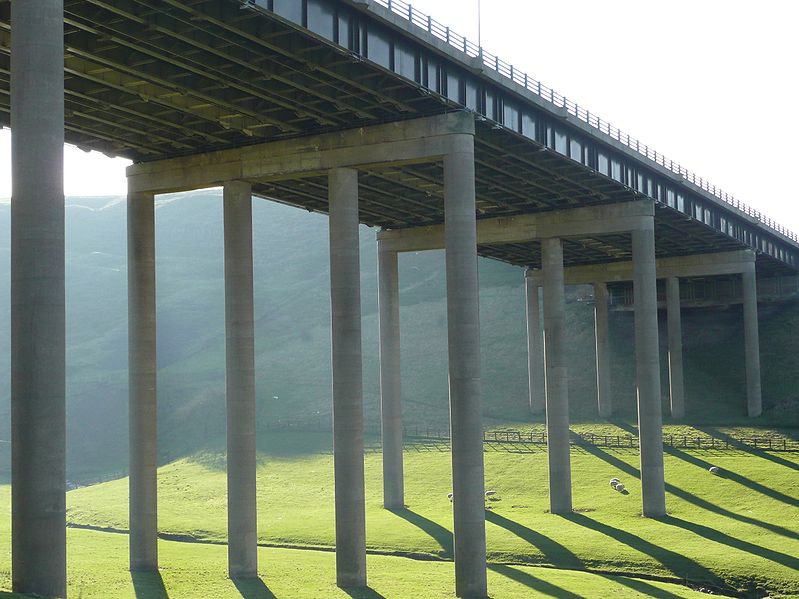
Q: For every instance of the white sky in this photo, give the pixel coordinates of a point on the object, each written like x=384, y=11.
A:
x=713, y=84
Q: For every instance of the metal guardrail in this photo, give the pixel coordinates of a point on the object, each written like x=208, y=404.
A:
x=493, y=62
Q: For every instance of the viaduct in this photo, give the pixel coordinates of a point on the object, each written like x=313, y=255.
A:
x=373, y=113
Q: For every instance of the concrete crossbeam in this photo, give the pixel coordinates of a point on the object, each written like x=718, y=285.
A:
x=38, y=428
x=390, y=383
x=463, y=332
x=404, y=142
x=345, y=308
x=575, y=222
x=240, y=382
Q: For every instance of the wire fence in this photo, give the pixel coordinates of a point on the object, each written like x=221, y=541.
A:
x=493, y=62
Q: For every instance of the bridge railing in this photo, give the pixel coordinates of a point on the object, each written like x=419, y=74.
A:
x=493, y=62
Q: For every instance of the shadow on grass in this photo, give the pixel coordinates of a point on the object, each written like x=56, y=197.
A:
x=363, y=593
x=744, y=447
x=440, y=534
x=678, y=564
x=555, y=553
x=643, y=587
x=690, y=497
x=719, y=537
x=253, y=588
x=531, y=582
x=149, y=585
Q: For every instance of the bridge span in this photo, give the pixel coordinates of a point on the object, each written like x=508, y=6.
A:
x=375, y=114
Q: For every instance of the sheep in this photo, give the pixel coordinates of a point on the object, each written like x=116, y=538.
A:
x=450, y=496
x=614, y=482
x=490, y=493
x=619, y=487
x=713, y=470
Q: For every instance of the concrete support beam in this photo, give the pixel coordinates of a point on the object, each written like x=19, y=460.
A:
x=557, y=379
x=240, y=382
x=592, y=220
x=754, y=403
x=647, y=362
x=37, y=300
x=535, y=349
x=463, y=326
x=142, y=383
x=390, y=384
x=603, y=393
x=345, y=305
x=676, y=387
x=403, y=142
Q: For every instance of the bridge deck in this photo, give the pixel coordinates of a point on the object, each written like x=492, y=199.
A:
x=150, y=79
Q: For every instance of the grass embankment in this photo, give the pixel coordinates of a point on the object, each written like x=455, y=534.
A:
x=98, y=570
x=740, y=529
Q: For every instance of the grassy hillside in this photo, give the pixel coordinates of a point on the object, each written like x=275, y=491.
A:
x=739, y=530
x=293, y=339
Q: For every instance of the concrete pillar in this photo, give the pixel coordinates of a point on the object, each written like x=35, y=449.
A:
x=647, y=362
x=557, y=384
x=143, y=453
x=463, y=326
x=535, y=350
x=754, y=402
x=240, y=382
x=390, y=385
x=603, y=393
x=676, y=387
x=345, y=304
x=37, y=299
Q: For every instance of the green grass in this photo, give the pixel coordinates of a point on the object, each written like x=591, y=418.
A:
x=740, y=529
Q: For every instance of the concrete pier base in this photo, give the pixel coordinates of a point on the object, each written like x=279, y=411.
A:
x=647, y=362
x=345, y=305
x=603, y=393
x=142, y=406
x=463, y=326
x=38, y=429
x=754, y=402
x=535, y=350
x=390, y=384
x=557, y=383
x=676, y=386
x=240, y=382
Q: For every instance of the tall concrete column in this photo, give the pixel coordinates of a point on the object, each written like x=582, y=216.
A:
x=603, y=393
x=754, y=402
x=345, y=305
x=37, y=299
x=676, y=387
x=535, y=350
x=463, y=326
x=557, y=384
x=647, y=362
x=142, y=407
x=240, y=382
x=390, y=385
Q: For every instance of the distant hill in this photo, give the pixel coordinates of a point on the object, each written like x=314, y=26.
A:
x=293, y=338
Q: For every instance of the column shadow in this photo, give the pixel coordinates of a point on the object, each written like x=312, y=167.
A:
x=364, y=593
x=531, y=582
x=643, y=587
x=690, y=497
x=253, y=588
x=678, y=564
x=714, y=535
x=555, y=553
x=732, y=442
x=148, y=585
x=433, y=529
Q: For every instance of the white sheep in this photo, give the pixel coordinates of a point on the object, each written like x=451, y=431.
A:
x=490, y=493
x=619, y=487
x=614, y=482
x=713, y=470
